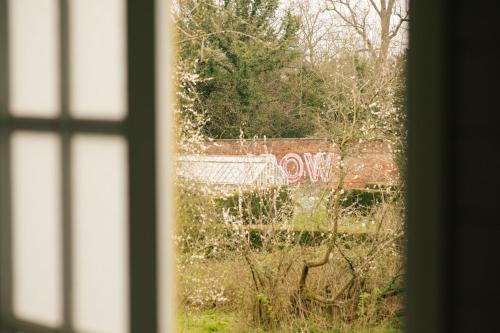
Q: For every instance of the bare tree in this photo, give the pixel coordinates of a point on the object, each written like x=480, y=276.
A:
x=376, y=22
x=315, y=30
x=359, y=105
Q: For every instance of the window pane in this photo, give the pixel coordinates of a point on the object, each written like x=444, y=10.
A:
x=34, y=57
x=98, y=59
x=99, y=179
x=36, y=227
x=291, y=158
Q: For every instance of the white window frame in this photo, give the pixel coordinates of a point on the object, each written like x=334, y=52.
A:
x=148, y=131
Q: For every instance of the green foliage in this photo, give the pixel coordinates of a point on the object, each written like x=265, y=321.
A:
x=362, y=200
x=193, y=205
x=258, y=206
x=316, y=219
x=254, y=75
x=204, y=220
x=209, y=321
x=205, y=322
x=400, y=146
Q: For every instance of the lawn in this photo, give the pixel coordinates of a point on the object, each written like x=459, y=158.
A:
x=218, y=321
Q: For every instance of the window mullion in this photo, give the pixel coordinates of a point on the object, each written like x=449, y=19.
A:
x=66, y=167
x=5, y=228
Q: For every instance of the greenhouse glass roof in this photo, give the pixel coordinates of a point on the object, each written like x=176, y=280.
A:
x=232, y=170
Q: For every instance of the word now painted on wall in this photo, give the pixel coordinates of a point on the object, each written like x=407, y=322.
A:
x=318, y=166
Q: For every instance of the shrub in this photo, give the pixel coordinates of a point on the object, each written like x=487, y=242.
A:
x=362, y=200
x=258, y=206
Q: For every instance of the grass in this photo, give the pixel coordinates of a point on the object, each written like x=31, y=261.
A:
x=207, y=321
x=314, y=216
x=218, y=321
x=314, y=220
x=317, y=221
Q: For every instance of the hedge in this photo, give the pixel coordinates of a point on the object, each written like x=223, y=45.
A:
x=258, y=206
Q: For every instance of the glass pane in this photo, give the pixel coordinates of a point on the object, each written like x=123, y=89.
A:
x=34, y=57
x=98, y=59
x=99, y=179
x=36, y=227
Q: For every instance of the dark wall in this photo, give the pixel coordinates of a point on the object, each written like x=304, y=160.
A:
x=475, y=119
x=453, y=214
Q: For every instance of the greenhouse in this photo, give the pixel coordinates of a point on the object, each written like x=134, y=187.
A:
x=232, y=171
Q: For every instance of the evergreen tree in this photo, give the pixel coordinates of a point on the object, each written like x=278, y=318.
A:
x=254, y=77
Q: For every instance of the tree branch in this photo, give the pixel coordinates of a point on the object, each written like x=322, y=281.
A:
x=375, y=7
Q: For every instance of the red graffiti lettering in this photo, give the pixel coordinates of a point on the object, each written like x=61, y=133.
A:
x=297, y=169
x=319, y=166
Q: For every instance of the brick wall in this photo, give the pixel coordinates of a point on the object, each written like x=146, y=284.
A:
x=366, y=163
